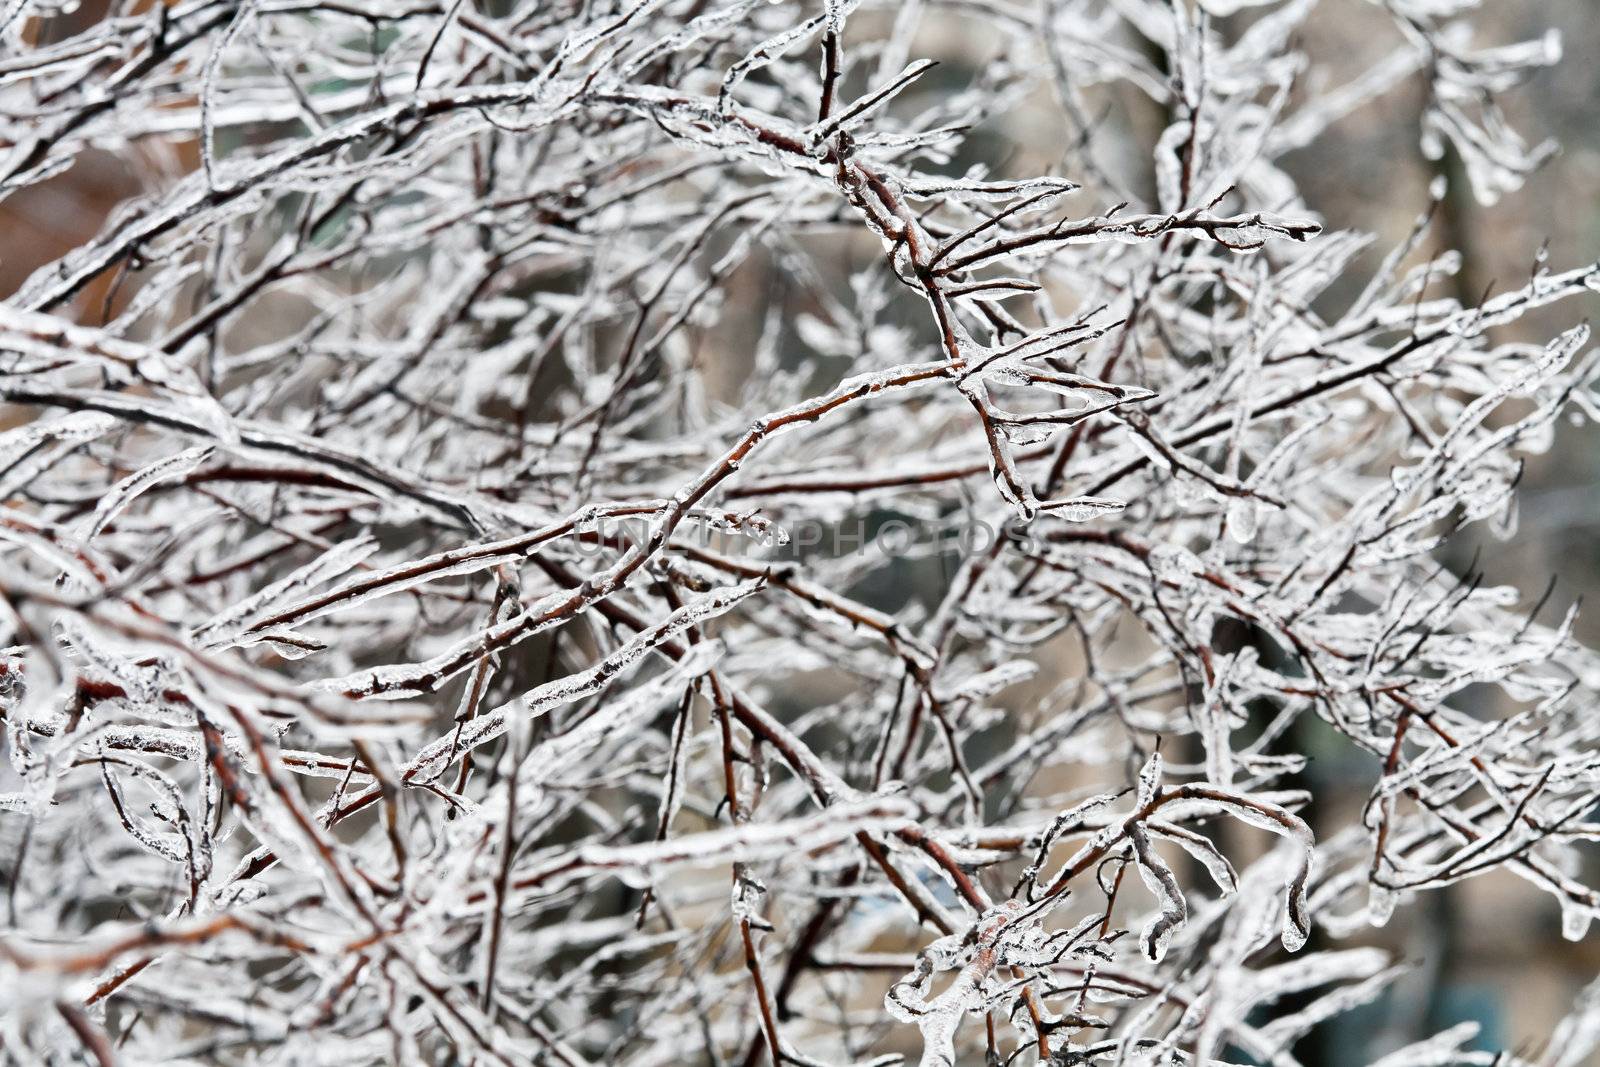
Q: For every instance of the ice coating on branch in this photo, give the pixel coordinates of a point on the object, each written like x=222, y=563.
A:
x=124, y=492
x=1083, y=508
x=1163, y=885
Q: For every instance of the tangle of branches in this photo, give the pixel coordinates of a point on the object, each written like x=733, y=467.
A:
x=631, y=532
